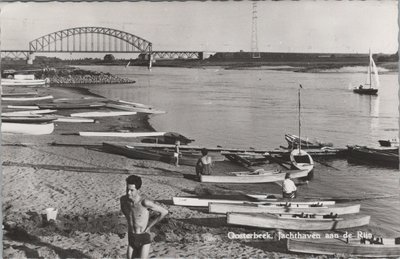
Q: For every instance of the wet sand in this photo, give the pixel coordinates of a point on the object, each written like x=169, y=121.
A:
x=74, y=175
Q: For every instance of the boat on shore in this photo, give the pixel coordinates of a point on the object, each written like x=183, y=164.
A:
x=120, y=134
x=22, y=82
x=315, y=209
x=71, y=105
x=27, y=128
x=372, y=247
x=297, y=221
x=28, y=113
x=27, y=99
x=196, y=201
x=101, y=114
x=148, y=154
x=272, y=176
x=28, y=119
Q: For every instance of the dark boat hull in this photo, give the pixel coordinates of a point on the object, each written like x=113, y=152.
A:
x=366, y=91
x=388, y=158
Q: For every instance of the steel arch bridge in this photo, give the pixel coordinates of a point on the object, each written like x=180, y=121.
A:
x=90, y=40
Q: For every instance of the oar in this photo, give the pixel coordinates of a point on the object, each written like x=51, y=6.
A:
x=341, y=199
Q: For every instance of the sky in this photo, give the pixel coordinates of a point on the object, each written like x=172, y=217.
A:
x=282, y=26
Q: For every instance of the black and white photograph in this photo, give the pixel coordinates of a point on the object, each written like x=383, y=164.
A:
x=200, y=129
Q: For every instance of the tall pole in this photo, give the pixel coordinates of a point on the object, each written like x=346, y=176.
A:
x=299, y=120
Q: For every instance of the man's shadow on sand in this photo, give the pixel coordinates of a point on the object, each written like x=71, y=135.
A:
x=20, y=235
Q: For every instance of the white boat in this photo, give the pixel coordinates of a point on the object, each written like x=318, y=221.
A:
x=101, y=114
x=28, y=113
x=204, y=202
x=297, y=221
x=126, y=107
x=74, y=120
x=27, y=128
x=370, y=90
x=121, y=134
x=301, y=159
x=357, y=247
x=27, y=107
x=314, y=209
x=27, y=99
x=256, y=178
x=22, y=82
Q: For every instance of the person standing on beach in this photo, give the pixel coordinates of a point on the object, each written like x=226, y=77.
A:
x=136, y=210
x=176, y=153
x=289, y=189
x=204, y=164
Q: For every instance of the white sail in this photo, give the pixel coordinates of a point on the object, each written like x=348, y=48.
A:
x=375, y=70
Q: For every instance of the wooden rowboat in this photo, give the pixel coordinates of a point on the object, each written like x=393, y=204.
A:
x=296, y=222
x=274, y=176
x=317, y=209
x=301, y=160
x=101, y=114
x=204, y=202
x=390, y=247
x=27, y=128
x=139, y=153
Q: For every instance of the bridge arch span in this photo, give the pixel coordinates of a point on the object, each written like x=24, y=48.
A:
x=90, y=39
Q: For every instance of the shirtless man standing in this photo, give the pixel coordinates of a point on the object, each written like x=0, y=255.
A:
x=136, y=210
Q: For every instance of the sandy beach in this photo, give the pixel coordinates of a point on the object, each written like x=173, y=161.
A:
x=73, y=174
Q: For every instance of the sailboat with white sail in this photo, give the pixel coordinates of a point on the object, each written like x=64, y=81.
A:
x=369, y=89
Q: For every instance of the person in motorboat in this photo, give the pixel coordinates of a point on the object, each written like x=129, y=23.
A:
x=289, y=189
x=204, y=164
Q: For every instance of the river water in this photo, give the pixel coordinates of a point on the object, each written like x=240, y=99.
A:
x=256, y=107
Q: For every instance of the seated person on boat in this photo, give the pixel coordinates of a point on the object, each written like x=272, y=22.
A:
x=289, y=189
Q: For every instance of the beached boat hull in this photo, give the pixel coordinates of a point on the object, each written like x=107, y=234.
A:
x=273, y=221
x=22, y=82
x=262, y=178
x=22, y=119
x=120, y=134
x=71, y=105
x=25, y=128
x=27, y=99
x=223, y=208
x=335, y=246
x=204, y=202
x=146, y=154
x=101, y=114
x=27, y=113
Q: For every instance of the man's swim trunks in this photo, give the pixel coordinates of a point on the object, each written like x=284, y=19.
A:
x=139, y=240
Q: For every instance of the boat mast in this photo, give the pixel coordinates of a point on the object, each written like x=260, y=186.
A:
x=299, y=121
x=370, y=69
